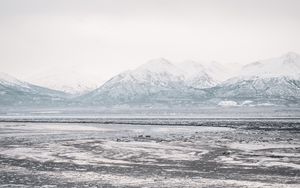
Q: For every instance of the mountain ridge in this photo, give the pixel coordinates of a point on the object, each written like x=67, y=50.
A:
x=274, y=81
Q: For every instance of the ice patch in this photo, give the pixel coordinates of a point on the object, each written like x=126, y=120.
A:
x=227, y=103
x=260, y=146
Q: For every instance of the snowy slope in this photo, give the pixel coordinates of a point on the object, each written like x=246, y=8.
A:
x=221, y=72
x=16, y=92
x=8, y=80
x=214, y=72
x=196, y=75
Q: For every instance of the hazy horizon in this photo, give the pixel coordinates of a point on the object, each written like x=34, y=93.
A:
x=104, y=38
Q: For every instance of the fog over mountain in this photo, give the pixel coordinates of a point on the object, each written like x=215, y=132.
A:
x=67, y=80
x=160, y=82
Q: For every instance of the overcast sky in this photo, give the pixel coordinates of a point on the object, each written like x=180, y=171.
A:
x=105, y=37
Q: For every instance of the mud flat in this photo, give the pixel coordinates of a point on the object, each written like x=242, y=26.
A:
x=150, y=153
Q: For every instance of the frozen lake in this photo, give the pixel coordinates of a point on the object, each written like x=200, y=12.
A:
x=150, y=152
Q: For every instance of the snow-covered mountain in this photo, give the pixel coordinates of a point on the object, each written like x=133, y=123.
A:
x=16, y=92
x=157, y=80
x=273, y=81
x=287, y=65
x=66, y=80
x=160, y=82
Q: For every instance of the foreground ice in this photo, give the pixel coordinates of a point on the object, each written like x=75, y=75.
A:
x=212, y=154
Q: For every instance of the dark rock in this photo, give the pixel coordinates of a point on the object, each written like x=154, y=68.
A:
x=226, y=153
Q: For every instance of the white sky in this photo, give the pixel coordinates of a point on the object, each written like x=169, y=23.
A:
x=105, y=37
